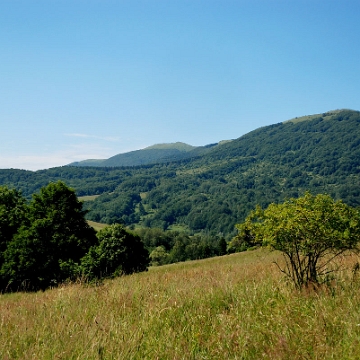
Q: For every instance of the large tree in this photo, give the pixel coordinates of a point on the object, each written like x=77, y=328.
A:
x=12, y=215
x=53, y=240
x=310, y=232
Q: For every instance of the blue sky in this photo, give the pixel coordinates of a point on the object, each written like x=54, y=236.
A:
x=85, y=79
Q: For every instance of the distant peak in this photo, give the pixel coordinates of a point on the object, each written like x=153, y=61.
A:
x=177, y=145
x=326, y=115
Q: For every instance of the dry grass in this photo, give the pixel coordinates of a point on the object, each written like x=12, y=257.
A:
x=88, y=197
x=97, y=226
x=231, y=307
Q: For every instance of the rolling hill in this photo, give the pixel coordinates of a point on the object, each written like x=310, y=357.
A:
x=158, y=153
x=218, y=185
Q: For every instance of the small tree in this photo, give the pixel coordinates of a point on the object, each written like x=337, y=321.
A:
x=159, y=256
x=118, y=252
x=222, y=247
x=310, y=232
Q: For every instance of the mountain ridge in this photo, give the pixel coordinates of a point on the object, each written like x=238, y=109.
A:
x=163, y=152
x=219, y=184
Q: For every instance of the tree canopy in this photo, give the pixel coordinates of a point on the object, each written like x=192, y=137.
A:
x=55, y=236
x=213, y=191
x=12, y=215
x=118, y=252
x=310, y=231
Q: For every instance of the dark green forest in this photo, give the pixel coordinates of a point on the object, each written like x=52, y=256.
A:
x=47, y=240
x=211, y=191
x=152, y=154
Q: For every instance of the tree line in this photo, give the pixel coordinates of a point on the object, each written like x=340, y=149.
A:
x=167, y=247
x=210, y=193
x=47, y=241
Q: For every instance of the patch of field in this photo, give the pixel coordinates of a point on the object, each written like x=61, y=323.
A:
x=179, y=228
x=88, y=197
x=231, y=307
x=326, y=116
x=143, y=195
x=97, y=226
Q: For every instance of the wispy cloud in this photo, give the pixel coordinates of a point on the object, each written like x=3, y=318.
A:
x=54, y=158
x=88, y=136
x=33, y=162
x=82, y=147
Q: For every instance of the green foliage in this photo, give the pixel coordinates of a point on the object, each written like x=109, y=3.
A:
x=310, y=232
x=122, y=209
x=59, y=205
x=167, y=247
x=153, y=154
x=12, y=215
x=155, y=237
x=219, y=185
x=222, y=247
x=55, y=237
x=159, y=256
x=192, y=248
x=244, y=240
x=118, y=252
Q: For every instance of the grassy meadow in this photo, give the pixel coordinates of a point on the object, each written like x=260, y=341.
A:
x=88, y=197
x=232, y=307
x=97, y=226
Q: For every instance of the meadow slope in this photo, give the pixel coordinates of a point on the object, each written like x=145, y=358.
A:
x=231, y=307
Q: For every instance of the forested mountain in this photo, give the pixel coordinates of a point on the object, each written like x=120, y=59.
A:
x=217, y=187
x=158, y=153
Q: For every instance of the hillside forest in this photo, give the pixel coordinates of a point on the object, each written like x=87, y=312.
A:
x=210, y=191
x=288, y=192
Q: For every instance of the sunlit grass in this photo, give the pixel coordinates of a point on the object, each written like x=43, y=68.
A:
x=88, y=197
x=97, y=226
x=231, y=307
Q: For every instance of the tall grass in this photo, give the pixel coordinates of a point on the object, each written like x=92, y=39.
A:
x=231, y=307
x=97, y=226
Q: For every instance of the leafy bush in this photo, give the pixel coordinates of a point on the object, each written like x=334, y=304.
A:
x=159, y=256
x=310, y=232
x=118, y=252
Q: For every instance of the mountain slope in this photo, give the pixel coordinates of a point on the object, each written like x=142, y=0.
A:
x=88, y=162
x=159, y=153
x=151, y=154
x=219, y=186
